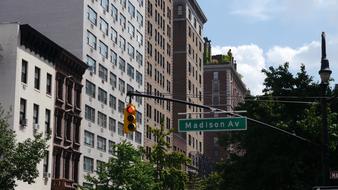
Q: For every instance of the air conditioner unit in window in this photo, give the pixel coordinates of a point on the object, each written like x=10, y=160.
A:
x=23, y=122
x=46, y=175
x=36, y=126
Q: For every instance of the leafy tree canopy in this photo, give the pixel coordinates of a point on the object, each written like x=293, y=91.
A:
x=265, y=158
x=18, y=160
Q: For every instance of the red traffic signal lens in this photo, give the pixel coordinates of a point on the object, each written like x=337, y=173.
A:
x=131, y=109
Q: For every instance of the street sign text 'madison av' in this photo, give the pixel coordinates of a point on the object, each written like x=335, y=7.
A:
x=212, y=124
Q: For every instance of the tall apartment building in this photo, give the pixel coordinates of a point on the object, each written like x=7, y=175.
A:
x=223, y=89
x=43, y=88
x=158, y=64
x=109, y=36
x=188, y=73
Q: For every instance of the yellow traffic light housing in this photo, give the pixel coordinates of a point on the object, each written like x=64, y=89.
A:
x=129, y=118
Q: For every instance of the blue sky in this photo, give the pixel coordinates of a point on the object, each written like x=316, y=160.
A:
x=263, y=33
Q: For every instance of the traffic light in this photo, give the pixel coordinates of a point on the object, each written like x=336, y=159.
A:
x=129, y=118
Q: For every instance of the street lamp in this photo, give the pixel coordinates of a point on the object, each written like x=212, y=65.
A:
x=324, y=73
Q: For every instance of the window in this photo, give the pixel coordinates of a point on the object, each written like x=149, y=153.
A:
x=131, y=50
x=102, y=96
x=131, y=9
x=139, y=19
x=179, y=10
x=103, y=49
x=121, y=106
x=139, y=78
x=91, y=40
x=49, y=84
x=103, y=26
x=112, y=125
x=120, y=129
x=113, y=57
x=90, y=113
x=113, y=35
x=114, y=13
x=131, y=29
x=35, y=114
x=122, y=21
x=101, y=119
x=122, y=43
x=46, y=162
x=122, y=64
x=123, y=3
x=130, y=71
x=99, y=165
x=122, y=85
x=103, y=73
x=89, y=139
x=111, y=147
x=139, y=58
x=24, y=69
x=23, y=120
x=90, y=89
x=129, y=88
x=139, y=117
x=101, y=143
x=47, y=122
x=105, y=4
x=91, y=63
x=139, y=38
x=88, y=164
x=112, y=101
x=92, y=15
x=113, y=81
x=37, y=78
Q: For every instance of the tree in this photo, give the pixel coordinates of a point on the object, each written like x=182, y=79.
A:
x=267, y=159
x=168, y=165
x=124, y=171
x=18, y=160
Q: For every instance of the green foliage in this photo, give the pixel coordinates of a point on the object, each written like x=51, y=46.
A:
x=125, y=171
x=168, y=165
x=18, y=161
x=267, y=159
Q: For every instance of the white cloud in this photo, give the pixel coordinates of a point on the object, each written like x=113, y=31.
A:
x=250, y=61
x=256, y=9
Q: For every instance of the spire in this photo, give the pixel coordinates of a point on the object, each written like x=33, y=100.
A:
x=323, y=46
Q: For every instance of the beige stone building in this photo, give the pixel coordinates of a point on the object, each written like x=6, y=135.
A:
x=158, y=67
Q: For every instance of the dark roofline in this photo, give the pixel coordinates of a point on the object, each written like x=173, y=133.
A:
x=46, y=48
x=199, y=10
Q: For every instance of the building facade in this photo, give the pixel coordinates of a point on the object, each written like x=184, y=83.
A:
x=30, y=66
x=188, y=74
x=158, y=65
x=223, y=89
x=109, y=36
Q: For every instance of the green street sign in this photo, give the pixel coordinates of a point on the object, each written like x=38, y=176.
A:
x=212, y=124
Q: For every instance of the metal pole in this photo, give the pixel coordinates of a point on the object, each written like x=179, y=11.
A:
x=325, y=137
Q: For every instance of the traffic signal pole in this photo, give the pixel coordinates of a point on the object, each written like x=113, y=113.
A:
x=131, y=94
